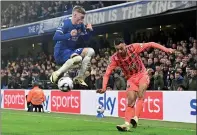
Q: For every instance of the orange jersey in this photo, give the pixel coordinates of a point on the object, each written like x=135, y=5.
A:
x=132, y=63
x=36, y=96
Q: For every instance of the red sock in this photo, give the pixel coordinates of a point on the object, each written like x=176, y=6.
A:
x=129, y=113
x=139, y=107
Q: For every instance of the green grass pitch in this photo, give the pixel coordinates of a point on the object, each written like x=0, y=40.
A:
x=25, y=123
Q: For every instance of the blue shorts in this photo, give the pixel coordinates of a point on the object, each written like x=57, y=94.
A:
x=62, y=56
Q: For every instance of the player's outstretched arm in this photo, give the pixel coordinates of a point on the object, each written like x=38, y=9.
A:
x=109, y=70
x=139, y=47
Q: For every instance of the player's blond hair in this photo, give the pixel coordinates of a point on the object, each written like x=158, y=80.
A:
x=79, y=9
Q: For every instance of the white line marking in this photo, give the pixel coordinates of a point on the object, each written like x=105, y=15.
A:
x=88, y=120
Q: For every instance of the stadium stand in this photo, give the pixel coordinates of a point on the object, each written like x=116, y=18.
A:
x=18, y=13
x=167, y=72
x=168, y=107
x=18, y=73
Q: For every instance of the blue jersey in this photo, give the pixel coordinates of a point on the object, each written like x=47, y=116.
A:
x=63, y=38
x=66, y=44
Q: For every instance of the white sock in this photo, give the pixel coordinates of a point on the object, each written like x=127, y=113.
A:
x=68, y=64
x=84, y=66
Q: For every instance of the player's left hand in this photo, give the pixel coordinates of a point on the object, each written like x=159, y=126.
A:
x=101, y=91
x=89, y=27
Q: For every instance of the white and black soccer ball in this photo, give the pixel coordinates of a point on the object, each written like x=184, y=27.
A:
x=65, y=84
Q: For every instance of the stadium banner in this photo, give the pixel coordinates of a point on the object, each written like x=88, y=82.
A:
x=172, y=106
x=21, y=31
x=153, y=105
x=26, y=94
x=88, y=102
x=2, y=99
x=66, y=102
x=91, y=101
x=47, y=103
x=180, y=106
x=14, y=99
x=104, y=15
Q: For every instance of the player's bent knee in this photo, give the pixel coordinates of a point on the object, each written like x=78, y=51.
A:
x=131, y=96
x=90, y=52
x=140, y=95
x=77, y=59
x=142, y=90
x=131, y=102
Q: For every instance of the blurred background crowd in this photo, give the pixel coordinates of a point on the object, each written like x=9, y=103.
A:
x=23, y=12
x=167, y=72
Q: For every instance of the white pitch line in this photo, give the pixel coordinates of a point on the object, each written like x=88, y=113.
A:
x=89, y=120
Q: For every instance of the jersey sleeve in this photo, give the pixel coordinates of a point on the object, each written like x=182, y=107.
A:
x=139, y=47
x=59, y=33
x=109, y=70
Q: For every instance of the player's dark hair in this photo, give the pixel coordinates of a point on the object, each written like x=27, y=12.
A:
x=118, y=41
x=79, y=9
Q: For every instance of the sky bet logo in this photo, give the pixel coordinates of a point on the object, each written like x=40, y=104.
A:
x=107, y=102
x=193, y=106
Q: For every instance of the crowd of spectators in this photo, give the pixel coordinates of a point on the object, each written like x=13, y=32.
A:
x=167, y=72
x=20, y=73
x=22, y=12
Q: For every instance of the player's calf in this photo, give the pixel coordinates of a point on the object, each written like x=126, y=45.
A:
x=88, y=53
x=130, y=109
x=139, y=104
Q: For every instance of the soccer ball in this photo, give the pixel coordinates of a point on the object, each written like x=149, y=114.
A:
x=65, y=84
x=100, y=109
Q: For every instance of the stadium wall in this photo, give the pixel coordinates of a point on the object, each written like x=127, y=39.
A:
x=159, y=105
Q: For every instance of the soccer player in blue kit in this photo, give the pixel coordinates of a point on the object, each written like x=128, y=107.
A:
x=65, y=52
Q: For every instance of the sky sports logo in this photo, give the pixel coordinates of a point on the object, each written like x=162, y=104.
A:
x=108, y=103
x=66, y=101
x=193, y=106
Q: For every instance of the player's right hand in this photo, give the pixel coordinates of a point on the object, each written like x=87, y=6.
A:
x=73, y=32
x=170, y=50
x=101, y=91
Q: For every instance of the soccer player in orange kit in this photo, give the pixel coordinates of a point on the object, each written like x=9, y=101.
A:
x=128, y=59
